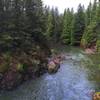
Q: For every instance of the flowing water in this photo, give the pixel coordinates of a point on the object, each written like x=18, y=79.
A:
x=75, y=80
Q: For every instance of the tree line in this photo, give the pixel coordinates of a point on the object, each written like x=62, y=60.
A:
x=23, y=22
x=79, y=28
x=21, y=25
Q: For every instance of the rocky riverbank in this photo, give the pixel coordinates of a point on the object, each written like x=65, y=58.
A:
x=17, y=67
x=15, y=70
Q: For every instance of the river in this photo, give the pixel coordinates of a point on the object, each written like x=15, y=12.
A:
x=75, y=80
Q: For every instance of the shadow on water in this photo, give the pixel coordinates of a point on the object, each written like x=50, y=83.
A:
x=74, y=81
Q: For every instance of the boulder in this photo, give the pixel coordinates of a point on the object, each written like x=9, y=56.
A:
x=89, y=51
x=53, y=67
x=54, y=63
x=96, y=96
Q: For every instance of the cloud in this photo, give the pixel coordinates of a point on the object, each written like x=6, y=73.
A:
x=62, y=4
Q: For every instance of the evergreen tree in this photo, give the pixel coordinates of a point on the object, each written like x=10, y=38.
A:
x=72, y=28
x=35, y=23
x=98, y=13
x=1, y=15
x=90, y=35
x=94, y=8
x=56, y=24
x=13, y=23
x=88, y=14
x=98, y=28
x=21, y=23
x=67, y=27
x=53, y=25
x=49, y=26
x=79, y=24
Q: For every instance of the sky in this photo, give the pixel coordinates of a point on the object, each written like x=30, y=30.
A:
x=62, y=4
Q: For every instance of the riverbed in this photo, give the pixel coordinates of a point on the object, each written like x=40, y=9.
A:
x=75, y=80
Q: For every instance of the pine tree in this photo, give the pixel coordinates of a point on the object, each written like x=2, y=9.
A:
x=98, y=28
x=49, y=28
x=35, y=23
x=94, y=8
x=98, y=13
x=1, y=14
x=67, y=34
x=88, y=14
x=72, y=27
x=21, y=23
x=79, y=24
x=53, y=24
x=56, y=24
x=14, y=22
x=34, y=15
x=90, y=34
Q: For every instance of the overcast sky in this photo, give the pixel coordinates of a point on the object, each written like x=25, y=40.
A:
x=62, y=4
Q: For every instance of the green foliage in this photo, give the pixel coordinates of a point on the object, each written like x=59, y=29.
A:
x=93, y=12
x=21, y=29
x=49, y=26
x=3, y=67
x=25, y=23
x=53, y=24
x=89, y=35
x=98, y=13
x=79, y=24
x=98, y=45
x=88, y=14
x=5, y=60
x=20, y=67
x=21, y=24
x=67, y=31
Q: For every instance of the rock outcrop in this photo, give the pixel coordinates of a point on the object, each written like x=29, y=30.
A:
x=89, y=51
x=54, y=64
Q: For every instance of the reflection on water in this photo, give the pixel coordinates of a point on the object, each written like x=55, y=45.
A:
x=74, y=81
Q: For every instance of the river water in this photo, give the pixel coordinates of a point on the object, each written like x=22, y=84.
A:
x=75, y=80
